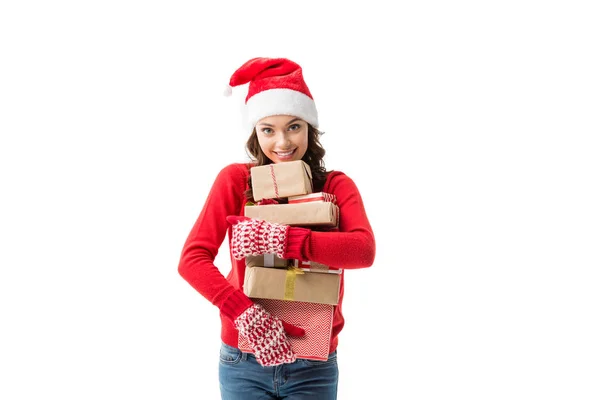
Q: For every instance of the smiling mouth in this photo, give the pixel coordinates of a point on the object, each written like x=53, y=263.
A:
x=284, y=154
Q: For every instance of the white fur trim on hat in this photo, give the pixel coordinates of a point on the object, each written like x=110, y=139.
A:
x=281, y=102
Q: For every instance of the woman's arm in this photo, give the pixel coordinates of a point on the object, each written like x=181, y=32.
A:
x=354, y=245
x=196, y=264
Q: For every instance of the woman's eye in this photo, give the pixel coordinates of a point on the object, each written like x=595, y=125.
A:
x=267, y=131
x=294, y=127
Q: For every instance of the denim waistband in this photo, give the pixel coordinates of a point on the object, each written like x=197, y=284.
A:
x=246, y=355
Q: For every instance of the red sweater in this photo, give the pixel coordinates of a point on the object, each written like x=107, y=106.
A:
x=350, y=246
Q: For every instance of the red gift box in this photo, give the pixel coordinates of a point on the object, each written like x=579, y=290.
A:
x=315, y=319
x=311, y=266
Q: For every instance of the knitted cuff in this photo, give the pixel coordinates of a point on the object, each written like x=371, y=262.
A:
x=235, y=304
x=295, y=243
x=275, y=239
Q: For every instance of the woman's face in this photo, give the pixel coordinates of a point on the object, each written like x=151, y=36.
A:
x=282, y=137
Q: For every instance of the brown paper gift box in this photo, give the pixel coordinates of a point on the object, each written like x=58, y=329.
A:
x=281, y=180
x=267, y=260
x=302, y=214
x=291, y=284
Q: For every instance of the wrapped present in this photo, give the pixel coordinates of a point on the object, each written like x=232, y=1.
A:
x=319, y=196
x=315, y=319
x=292, y=284
x=302, y=214
x=267, y=260
x=312, y=266
x=274, y=181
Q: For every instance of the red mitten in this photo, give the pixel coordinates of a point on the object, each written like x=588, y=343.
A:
x=265, y=333
x=266, y=336
x=253, y=237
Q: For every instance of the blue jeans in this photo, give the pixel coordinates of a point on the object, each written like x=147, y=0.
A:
x=241, y=377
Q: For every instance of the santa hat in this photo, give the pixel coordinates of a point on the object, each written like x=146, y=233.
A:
x=276, y=88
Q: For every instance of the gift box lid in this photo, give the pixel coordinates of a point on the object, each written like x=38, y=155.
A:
x=303, y=214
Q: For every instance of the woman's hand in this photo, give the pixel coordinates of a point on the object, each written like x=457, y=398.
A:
x=266, y=334
x=253, y=237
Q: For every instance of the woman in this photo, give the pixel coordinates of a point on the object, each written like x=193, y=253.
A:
x=281, y=114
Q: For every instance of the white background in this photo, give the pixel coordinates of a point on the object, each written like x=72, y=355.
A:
x=471, y=129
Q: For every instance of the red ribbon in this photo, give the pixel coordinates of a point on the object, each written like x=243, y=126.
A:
x=274, y=180
x=321, y=196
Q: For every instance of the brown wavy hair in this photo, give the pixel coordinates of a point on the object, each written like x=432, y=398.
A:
x=313, y=157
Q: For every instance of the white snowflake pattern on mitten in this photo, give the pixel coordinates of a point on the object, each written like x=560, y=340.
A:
x=266, y=336
x=254, y=237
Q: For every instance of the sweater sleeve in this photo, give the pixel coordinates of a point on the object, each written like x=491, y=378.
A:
x=353, y=245
x=196, y=264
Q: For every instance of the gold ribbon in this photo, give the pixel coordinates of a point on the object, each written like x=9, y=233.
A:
x=290, y=282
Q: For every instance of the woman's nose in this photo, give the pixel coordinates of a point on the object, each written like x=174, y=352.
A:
x=283, y=139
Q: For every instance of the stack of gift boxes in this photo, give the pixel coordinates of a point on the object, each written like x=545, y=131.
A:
x=302, y=293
